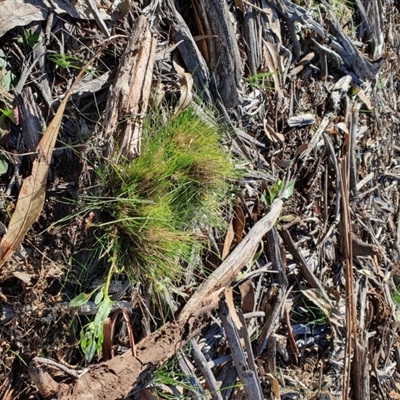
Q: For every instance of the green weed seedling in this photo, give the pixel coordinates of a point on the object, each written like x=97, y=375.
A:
x=66, y=61
x=7, y=77
x=31, y=39
x=91, y=337
x=277, y=189
x=259, y=80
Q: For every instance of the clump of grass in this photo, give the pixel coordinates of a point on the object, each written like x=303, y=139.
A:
x=179, y=182
x=152, y=209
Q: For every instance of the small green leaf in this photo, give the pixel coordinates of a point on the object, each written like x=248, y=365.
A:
x=90, y=351
x=6, y=81
x=3, y=165
x=7, y=113
x=83, y=343
x=98, y=331
x=98, y=298
x=288, y=191
x=80, y=300
x=33, y=40
x=100, y=342
x=103, y=311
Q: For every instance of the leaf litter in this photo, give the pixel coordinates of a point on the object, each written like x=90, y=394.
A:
x=299, y=300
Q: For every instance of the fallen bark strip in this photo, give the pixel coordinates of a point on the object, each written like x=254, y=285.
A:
x=130, y=92
x=234, y=334
x=190, y=53
x=225, y=61
x=114, y=378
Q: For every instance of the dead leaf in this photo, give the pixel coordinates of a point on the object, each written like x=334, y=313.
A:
x=186, y=85
x=32, y=194
x=108, y=333
x=146, y=394
x=231, y=308
x=239, y=5
x=301, y=120
x=364, y=98
x=283, y=163
x=393, y=395
x=121, y=10
x=271, y=134
x=238, y=223
x=247, y=292
x=303, y=147
x=23, y=276
x=20, y=12
x=229, y=238
x=343, y=127
x=274, y=386
x=343, y=84
x=271, y=57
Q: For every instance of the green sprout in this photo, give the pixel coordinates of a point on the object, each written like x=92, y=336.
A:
x=66, y=60
x=278, y=189
x=31, y=39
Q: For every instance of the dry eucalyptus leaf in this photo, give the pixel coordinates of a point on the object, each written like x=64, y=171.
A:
x=283, y=163
x=343, y=84
x=364, y=98
x=121, y=10
x=275, y=388
x=238, y=223
x=186, y=83
x=303, y=147
x=247, y=292
x=232, y=309
x=33, y=190
x=271, y=58
x=229, y=238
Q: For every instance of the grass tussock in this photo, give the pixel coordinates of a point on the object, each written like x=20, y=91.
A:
x=154, y=204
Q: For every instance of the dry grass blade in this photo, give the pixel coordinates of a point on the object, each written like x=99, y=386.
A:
x=351, y=324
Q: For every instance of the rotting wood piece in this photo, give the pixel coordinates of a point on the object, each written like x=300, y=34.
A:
x=222, y=48
x=129, y=94
x=190, y=53
x=29, y=119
